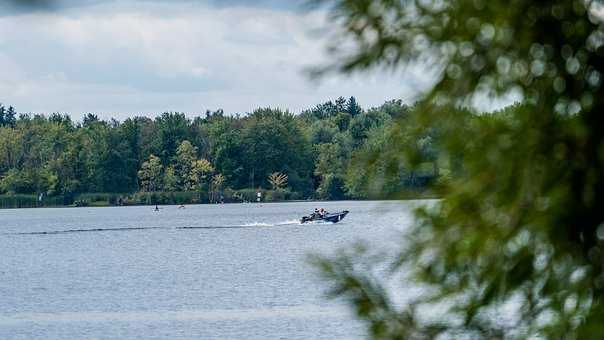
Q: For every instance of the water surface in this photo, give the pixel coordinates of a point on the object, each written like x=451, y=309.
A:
x=228, y=271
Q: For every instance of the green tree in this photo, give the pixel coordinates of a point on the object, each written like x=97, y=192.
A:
x=363, y=123
x=325, y=110
x=332, y=187
x=90, y=119
x=186, y=155
x=93, y=142
x=521, y=224
x=170, y=182
x=322, y=132
x=200, y=175
x=218, y=181
x=352, y=107
x=330, y=170
x=377, y=168
x=172, y=129
x=118, y=160
x=384, y=167
x=395, y=108
x=11, y=148
x=10, y=118
x=222, y=135
x=149, y=138
x=273, y=141
x=217, y=184
x=7, y=116
x=341, y=120
x=130, y=132
x=150, y=174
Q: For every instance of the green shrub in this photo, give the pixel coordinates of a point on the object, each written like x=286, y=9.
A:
x=29, y=201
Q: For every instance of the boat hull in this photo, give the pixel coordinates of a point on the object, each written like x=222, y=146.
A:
x=333, y=217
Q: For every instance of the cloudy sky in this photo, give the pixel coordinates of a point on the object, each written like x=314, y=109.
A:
x=119, y=58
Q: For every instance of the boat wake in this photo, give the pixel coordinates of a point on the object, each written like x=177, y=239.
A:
x=235, y=226
x=256, y=224
x=290, y=222
x=264, y=224
x=52, y=232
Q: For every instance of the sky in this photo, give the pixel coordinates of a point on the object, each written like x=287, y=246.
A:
x=120, y=58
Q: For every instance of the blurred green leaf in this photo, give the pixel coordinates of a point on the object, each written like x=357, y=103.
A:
x=520, y=223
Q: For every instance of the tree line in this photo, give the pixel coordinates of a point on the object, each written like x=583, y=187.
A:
x=310, y=153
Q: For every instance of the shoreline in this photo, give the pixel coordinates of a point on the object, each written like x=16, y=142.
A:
x=106, y=203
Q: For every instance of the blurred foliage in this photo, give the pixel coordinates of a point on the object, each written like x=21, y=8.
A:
x=514, y=249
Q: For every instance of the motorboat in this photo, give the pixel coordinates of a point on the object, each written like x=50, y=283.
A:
x=326, y=217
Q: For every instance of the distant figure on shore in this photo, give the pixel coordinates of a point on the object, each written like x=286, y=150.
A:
x=156, y=208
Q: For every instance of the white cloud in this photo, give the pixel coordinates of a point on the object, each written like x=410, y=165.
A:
x=135, y=58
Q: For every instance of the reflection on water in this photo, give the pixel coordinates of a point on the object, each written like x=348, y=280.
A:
x=212, y=272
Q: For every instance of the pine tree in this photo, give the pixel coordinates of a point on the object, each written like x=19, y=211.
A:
x=352, y=107
x=10, y=118
x=340, y=105
x=2, y=115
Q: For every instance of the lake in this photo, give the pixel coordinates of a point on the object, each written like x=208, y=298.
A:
x=228, y=271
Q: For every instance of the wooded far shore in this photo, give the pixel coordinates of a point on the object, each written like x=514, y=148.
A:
x=167, y=198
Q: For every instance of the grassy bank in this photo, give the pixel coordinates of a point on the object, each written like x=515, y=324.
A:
x=175, y=198
x=145, y=198
x=32, y=201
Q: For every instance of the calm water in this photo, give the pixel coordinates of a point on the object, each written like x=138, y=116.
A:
x=205, y=272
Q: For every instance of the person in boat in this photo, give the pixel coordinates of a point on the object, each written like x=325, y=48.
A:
x=316, y=213
x=322, y=212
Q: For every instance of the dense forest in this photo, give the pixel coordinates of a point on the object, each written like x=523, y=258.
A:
x=308, y=155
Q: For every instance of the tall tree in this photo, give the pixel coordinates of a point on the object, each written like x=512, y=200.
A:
x=90, y=119
x=330, y=170
x=173, y=128
x=2, y=115
x=170, y=180
x=352, y=107
x=150, y=174
x=10, y=117
x=118, y=161
x=274, y=142
x=217, y=184
x=363, y=123
x=200, y=175
x=186, y=155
